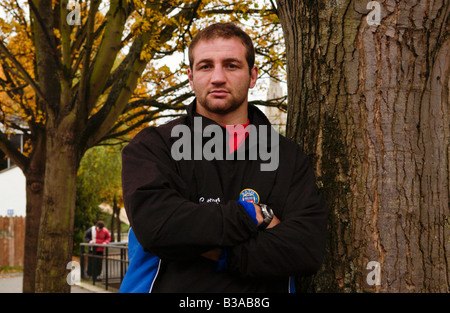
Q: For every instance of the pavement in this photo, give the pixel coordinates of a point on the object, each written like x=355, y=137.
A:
x=12, y=283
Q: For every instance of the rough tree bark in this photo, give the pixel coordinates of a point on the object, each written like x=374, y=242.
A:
x=34, y=174
x=369, y=102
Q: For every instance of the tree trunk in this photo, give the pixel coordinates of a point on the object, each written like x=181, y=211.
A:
x=34, y=175
x=113, y=220
x=369, y=102
x=58, y=208
x=119, y=228
x=33, y=210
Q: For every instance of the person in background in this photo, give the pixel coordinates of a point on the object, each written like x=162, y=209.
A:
x=97, y=234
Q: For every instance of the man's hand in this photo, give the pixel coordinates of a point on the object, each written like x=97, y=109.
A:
x=215, y=253
x=260, y=217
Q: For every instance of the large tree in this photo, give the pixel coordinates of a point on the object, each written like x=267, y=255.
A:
x=368, y=100
x=73, y=76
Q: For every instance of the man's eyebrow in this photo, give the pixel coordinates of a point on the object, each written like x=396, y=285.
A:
x=232, y=60
x=206, y=60
x=227, y=60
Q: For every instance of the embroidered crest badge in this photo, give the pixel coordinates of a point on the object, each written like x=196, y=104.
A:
x=249, y=195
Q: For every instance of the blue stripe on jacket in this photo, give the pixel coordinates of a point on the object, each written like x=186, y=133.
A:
x=142, y=269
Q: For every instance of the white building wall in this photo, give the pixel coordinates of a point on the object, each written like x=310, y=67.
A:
x=12, y=192
x=276, y=117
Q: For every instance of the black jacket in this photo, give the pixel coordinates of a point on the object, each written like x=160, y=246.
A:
x=180, y=209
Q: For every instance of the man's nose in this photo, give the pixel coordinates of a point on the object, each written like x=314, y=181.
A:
x=218, y=75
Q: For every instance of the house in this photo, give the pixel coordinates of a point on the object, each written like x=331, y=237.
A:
x=12, y=192
x=12, y=184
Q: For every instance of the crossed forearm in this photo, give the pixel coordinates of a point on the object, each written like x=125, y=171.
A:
x=215, y=253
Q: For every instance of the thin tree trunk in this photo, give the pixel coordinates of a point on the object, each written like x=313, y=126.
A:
x=113, y=220
x=34, y=175
x=33, y=210
x=370, y=105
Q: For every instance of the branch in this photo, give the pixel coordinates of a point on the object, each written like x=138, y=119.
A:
x=107, y=53
x=152, y=102
x=136, y=125
x=12, y=89
x=165, y=92
x=25, y=76
x=84, y=79
x=102, y=121
x=20, y=16
x=85, y=34
x=127, y=68
x=13, y=153
x=115, y=131
x=230, y=11
x=65, y=31
x=46, y=34
x=274, y=7
x=277, y=103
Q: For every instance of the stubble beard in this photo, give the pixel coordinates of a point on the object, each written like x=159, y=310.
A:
x=229, y=107
x=233, y=104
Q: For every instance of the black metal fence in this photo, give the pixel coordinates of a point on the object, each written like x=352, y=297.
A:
x=105, y=268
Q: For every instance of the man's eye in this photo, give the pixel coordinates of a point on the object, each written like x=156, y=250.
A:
x=205, y=67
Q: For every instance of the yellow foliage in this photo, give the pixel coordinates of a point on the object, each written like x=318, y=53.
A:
x=147, y=20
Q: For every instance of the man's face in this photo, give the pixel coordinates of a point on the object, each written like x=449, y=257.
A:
x=221, y=79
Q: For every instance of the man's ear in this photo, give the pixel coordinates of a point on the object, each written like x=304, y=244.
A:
x=191, y=78
x=253, y=76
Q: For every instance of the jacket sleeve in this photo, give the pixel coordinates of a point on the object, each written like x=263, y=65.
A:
x=88, y=235
x=163, y=219
x=107, y=237
x=296, y=246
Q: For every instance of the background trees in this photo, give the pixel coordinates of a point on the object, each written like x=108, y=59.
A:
x=99, y=182
x=369, y=102
x=74, y=76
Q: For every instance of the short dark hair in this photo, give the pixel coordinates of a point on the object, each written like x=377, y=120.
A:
x=100, y=224
x=226, y=31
